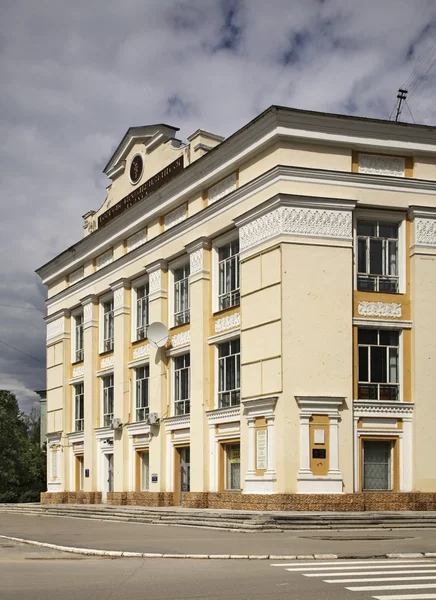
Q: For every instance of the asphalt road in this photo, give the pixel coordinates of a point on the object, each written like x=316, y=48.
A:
x=29, y=573
x=134, y=537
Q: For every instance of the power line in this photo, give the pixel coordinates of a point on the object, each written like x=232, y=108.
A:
x=21, y=307
x=410, y=112
x=21, y=352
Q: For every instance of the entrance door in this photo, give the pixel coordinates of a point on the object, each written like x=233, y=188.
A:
x=377, y=470
x=185, y=471
x=108, y=475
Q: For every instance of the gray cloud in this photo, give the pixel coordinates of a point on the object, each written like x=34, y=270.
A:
x=77, y=74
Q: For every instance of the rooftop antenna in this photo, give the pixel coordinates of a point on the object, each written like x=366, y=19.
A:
x=402, y=95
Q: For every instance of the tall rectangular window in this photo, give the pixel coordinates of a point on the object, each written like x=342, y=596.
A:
x=228, y=268
x=142, y=314
x=79, y=407
x=78, y=337
x=108, y=325
x=108, y=400
x=233, y=466
x=377, y=256
x=142, y=392
x=182, y=367
x=145, y=471
x=378, y=364
x=229, y=374
x=181, y=295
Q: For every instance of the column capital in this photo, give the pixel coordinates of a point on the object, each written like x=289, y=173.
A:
x=200, y=243
x=56, y=324
x=197, y=257
x=154, y=271
x=157, y=265
x=90, y=299
x=122, y=283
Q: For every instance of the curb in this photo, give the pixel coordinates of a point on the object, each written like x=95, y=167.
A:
x=122, y=554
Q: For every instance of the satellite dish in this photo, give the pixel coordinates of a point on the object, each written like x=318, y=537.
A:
x=157, y=334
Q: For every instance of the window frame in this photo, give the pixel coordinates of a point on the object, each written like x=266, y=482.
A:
x=181, y=401
x=216, y=245
x=77, y=396
x=183, y=261
x=141, y=487
x=398, y=218
x=226, y=448
x=146, y=408
x=229, y=339
x=102, y=301
x=74, y=315
x=400, y=383
x=103, y=399
x=137, y=284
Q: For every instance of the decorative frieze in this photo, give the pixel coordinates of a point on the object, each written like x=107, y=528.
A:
x=230, y=322
x=107, y=362
x=155, y=281
x=136, y=240
x=78, y=371
x=425, y=231
x=87, y=312
x=141, y=352
x=222, y=188
x=196, y=261
x=379, y=309
x=181, y=339
x=365, y=408
x=382, y=165
x=292, y=220
x=55, y=327
x=175, y=217
x=104, y=259
x=76, y=276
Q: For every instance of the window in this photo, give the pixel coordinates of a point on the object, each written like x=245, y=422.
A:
x=181, y=295
x=78, y=338
x=233, y=466
x=182, y=384
x=229, y=368
x=78, y=407
x=142, y=312
x=108, y=325
x=144, y=483
x=108, y=400
x=377, y=256
x=142, y=392
x=377, y=469
x=228, y=268
x=378, y=364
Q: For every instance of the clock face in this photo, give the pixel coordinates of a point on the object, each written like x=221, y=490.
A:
x=136, y=168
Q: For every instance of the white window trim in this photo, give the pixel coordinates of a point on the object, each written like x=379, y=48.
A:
x=217, y=243
x=390, y=217
x=134, y=379
x=137, y=283
x=175, y=264
x=185, y=350
x=229, y=337
x=75, y=313
x=101, y=301
x=73, y=389
x=400, y=362
x=102, y=425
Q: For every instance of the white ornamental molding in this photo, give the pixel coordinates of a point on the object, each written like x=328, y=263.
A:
x=230, y=322
x=155, y=281
x=136, y=240
x=382, y=165
x=297, y=221
x=181, y=339
x=141, y=352
x=118, y=298
x=76, y=276
x=221, y=189
x=104, y=259
x=196, y=261
x=379, y=309
x=382, y=409
x=107, y=362
x=425, y=231
x=78, y=371
x=175, y=217
x=55, y=328
x=87, y=312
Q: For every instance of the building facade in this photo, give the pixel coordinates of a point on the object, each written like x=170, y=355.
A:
x=294, y=265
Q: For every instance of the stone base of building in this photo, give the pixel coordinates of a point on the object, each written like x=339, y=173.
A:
x=360, y=502
x=71, y=498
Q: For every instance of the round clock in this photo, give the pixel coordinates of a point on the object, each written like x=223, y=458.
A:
x=136, y=168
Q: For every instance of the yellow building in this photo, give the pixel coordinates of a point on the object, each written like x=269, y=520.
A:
x=294, y=265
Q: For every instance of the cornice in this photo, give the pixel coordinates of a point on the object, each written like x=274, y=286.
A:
x=274, y=175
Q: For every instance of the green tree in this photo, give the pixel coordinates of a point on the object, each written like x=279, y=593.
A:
x=22, y=461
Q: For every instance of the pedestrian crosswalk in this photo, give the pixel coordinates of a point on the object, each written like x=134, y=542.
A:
x=409, y=579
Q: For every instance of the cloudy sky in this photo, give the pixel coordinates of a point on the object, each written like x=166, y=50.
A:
x=76, y=74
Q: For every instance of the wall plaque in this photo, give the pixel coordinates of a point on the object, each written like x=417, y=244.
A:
x=261, y=450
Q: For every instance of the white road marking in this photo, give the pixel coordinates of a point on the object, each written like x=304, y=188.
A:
x=380, y=588
x=430, y=565
x=390, y=572
x=373, y=579
x=407, y=597
x=322, y=563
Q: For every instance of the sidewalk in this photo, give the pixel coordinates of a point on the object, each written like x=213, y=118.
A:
x=134, y=537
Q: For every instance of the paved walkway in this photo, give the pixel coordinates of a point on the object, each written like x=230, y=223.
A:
x=134, y=537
